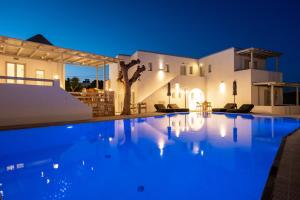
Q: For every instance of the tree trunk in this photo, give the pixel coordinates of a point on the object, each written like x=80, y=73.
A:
x=127, y=97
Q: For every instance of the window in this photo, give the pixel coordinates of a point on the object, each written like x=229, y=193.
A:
x=150, y=66
x=15, y=70
x=209, y=68
x=167, y=68
x=183, y=70
x=191, y=70
x=40, y=74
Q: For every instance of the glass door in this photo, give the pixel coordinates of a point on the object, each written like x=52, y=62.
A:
x=40, y=74
x=15, y=70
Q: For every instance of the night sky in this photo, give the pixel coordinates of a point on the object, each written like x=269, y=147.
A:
x=188, y=28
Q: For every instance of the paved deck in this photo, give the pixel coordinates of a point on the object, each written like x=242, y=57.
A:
x=284, y=179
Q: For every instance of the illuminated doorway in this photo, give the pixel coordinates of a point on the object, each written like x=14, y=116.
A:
x=195, y=95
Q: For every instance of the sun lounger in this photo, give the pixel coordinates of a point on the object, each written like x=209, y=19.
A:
x=162, y=108
x=245, y=108
x=226, y=107
x=177, y=109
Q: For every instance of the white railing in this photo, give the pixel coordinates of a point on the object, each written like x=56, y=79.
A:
x=28, y=81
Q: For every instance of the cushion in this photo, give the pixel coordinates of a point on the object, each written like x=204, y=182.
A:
x=173, y=106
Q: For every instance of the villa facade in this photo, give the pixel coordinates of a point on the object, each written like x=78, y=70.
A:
x=206, y=79
x=32, y=81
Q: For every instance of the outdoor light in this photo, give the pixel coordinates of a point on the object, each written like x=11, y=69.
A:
x=161, y=66
x=56, y=77
x=201, y=64
x=222, y=87
x=161, y=75
x=55, y=166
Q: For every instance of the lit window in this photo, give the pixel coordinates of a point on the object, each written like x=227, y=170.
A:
x=150, y=66
x=209, y=68
x=167, y=68
x=191, y=70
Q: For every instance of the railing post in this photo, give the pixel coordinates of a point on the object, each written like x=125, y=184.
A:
x=272, y=95
x=251, y=62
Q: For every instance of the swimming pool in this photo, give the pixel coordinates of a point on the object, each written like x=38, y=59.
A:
x=179, y=156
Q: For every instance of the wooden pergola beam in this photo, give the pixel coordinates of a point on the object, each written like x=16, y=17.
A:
x=19, y=51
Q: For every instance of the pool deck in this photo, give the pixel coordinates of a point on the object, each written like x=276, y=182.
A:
x=284, y=179
x=95, y=119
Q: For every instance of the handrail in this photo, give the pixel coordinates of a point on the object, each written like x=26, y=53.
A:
x=26, y=79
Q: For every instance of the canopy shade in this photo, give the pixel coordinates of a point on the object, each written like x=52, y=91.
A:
x=259, y=53
x=277, y=84
x=39, y=51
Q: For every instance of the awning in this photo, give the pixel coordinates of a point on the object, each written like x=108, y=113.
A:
x=33, y=50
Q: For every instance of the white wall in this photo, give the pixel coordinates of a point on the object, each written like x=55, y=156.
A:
x=151, y=84
x=51, y=69
x=26, y=104
x=186, y=83
x=224, y=69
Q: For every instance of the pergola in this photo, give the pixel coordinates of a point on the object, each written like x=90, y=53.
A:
x=260, y=53
x=280, y=84
x=47, y=52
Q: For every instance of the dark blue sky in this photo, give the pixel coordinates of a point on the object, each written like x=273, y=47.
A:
x=190, y=28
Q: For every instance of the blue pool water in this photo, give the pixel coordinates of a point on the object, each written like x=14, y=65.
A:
x=184, y=156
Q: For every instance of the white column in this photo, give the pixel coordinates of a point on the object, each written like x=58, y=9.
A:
x=297, y=96
x=251, y=62
x=104, y=76
x=97, y=84
x=272, y=95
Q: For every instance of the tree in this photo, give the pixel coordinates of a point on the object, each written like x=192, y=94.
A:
x=127, y=82
x=73, y=84
x=93, y=84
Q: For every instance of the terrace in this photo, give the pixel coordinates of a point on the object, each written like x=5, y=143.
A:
x=274, y=98
x=24, y=54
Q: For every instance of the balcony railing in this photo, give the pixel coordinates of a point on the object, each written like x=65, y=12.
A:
x=27, y=81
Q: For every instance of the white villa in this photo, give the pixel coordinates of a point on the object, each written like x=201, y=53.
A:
x=32, y=81
x=208, y=79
